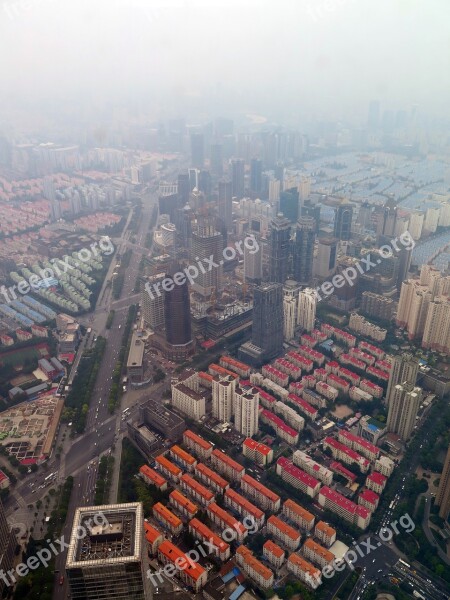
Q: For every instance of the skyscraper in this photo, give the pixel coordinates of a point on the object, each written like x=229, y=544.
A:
x=177, y=314
x=153, y=302
x=267, y=330
x=7, y=546
x=307, y=303
x=183, y=189
x=253, y=263
x=197, y=150
x=437, y=326
x=256, y=175
x=226, y=202
x=404, y=368
x=303, y=250
x=279, y=248
x=207, y=243
x=111, y=560
x=343, y=221
x=326, y=257
x=238, y=178
x=246, y=409
x=443, y=493
x=217, y=160
x=404, y=405
x=289, y=204
x=223, y=390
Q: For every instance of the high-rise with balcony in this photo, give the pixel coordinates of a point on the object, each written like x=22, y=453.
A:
x=207, y=243
x=223, y=391
x=306, y=315
x=436, y=335
x=404, y=405
x=404, y=369
x=443, y=493
x=246, y=410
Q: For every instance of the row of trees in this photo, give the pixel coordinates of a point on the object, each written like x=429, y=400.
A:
x=116, y=386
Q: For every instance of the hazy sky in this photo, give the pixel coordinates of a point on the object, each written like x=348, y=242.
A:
x=325, y=57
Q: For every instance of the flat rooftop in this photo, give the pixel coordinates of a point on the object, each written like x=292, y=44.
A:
x=114, y=536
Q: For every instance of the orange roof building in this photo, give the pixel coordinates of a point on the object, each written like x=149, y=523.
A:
x=167, y=518
x=190, y=572
x=201, y=532
x=151, y=477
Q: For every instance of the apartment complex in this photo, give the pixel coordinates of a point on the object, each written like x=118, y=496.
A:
x=261, y=495
x=197, y=444
x=297, y=514
x=284, y=533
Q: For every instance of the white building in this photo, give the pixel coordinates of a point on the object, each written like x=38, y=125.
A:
x=246, y=410
x=223, y=389
x=306, y=315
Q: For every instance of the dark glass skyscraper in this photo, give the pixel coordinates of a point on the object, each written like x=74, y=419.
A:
x=7, y=546
x=289, y=200
x=343, y=221
x=256, y=175
x=238, y=178
x=183, y=189
x=303, y=250
x=177, y=312
x=225, y=203
x=267, y=331
x=279, y=248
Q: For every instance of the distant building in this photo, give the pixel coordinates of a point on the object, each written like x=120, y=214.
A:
x=279, y=248
x=303, y=250
x=443, y=493
x=162, y=419
x=404, y=402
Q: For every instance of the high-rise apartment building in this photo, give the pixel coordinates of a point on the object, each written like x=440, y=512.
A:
x=443, y=493
x=225, y=203
x=238, y=177
x=307, y=303
x=404, y=402
x=279, y=248
x=436, y=335
x=413, y=307
x=246, y=410
x=404, y=368
x=223, y=391
x=303, y=250
x=111, y=560
x=207, y=243
x=290, y=317
x=343, y=221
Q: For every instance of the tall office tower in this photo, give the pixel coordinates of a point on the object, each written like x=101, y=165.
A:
x=413, y=307
x=274, y=191
x=326, y=257
x=279, y=244
x=111, y=561
x=207, y=243
x=404, y=368
x=443, y=494
x=177, y=313
x=185, y=216
x=387, y=219
x=152, y=301
x=436, y=335
x=373, y=119
x=343, y=221
x=303, y=250
x=246, y=409
x=216, y=163
x=238, y=178
x=404, y=405
x=223, y=389
x=197, y=150
x=256, y=175
x=267, y=329
x=289, y=204
x=7, y=547
x=307, y=303
x=183, y=189
x=205, y=184
x=226, y=203
x=364, y=217
x=253, y=263
x=193, y=179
